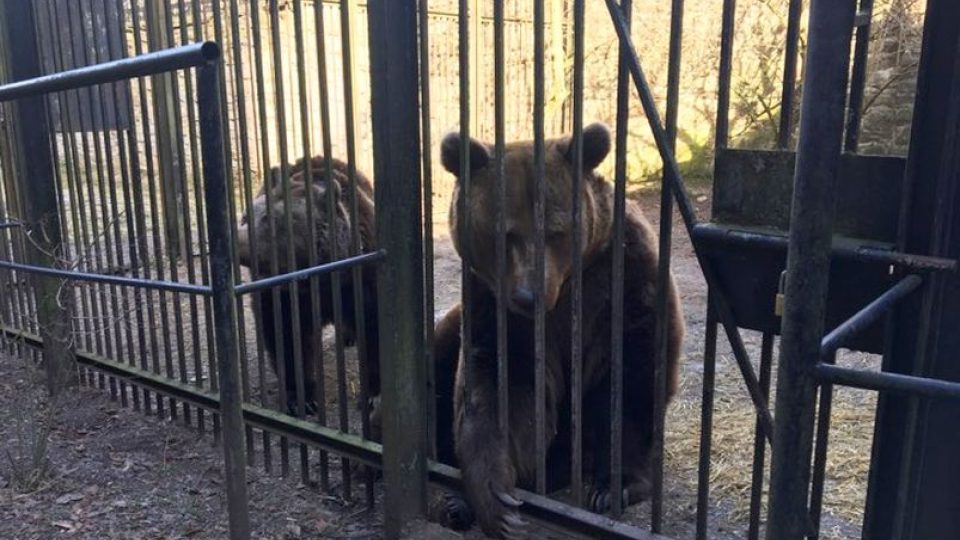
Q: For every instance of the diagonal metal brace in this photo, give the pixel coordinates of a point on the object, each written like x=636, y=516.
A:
x=675, y=181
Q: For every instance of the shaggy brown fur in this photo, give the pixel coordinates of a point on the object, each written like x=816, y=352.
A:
x=492, y=464
x=268, y=223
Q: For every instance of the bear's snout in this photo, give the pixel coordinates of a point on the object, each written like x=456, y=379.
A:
x=522, y=300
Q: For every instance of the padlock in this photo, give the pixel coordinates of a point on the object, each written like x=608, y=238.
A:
x=781, y=299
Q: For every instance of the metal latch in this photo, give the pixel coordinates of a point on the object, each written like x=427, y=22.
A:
x=781, y=299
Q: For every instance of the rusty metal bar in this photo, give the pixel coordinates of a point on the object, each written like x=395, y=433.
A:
x=808, y=263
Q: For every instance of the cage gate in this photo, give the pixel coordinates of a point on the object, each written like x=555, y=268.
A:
x=865, y=241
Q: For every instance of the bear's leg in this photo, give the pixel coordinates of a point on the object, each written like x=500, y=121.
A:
x=635, y=456
x=489, y=473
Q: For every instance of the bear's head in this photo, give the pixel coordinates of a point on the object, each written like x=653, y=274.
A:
x=479, y=249
x=263, y=214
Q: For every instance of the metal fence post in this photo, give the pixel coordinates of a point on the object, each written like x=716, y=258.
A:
x=37, y=184
x=224, y=298
x=808, y=263
x=396, y=150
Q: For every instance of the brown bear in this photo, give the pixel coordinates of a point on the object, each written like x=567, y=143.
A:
x=325, y=231
x=492, y=465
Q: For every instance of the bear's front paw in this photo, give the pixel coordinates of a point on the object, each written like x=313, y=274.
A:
x=450, y=510
x=496, y=509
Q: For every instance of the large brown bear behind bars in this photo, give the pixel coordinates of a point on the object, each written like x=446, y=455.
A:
x=269, y=220
x=491, y=464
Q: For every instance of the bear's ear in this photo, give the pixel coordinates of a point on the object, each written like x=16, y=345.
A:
x=596, y=146
x=450, y=154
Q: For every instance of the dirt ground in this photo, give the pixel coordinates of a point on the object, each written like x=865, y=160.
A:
x=117, y=474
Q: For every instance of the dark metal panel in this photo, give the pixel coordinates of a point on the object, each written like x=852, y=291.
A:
x=754, y=188
x=911, y=454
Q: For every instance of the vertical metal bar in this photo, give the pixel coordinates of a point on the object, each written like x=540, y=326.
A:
x=858, y=79
x=789, y=84
x=72, y=180
x=539, y=171
x=814, y=198
x=96, y=102
x=196, y=173
x=728, y=24
x=311, y=242
x=576, y=304
x=499, y=69
x=116, y=89
x=616, y=316
x=246, y=166
x=427, y=194
x=114, y=22
x=663, y=270
x=393, y=68
x=327, y=152
x=760, y=441
x=292, y=288
x=706, y=420
x=92, y=247
x=224, y=300
x=265, y=152
x=820, y=452
x=138, y=244
x=148, y=240
x=463, y=210
x=347, y=16
x=228, y=167
x=182, y=210
x=40, y=198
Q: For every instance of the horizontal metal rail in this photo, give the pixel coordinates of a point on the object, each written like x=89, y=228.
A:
x=74, y=275
x=10, y=224
x=554, y=513
x=720, y=236
x=330, y=439
x=299, y=275
x=366, y=452
x=887, y=382
x=870, y=314
x=152, y=63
